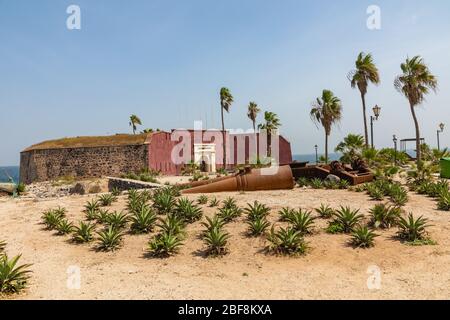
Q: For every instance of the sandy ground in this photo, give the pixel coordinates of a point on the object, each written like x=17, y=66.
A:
x=331, y=270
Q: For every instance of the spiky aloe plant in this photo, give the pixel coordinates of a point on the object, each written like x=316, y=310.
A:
x=411, y=229
x=285, y=214
x=383, y=216
x=286, y=241
x=344, y=184
x=303, y=182
x=61, y=212
x=143, y=220
x=203, y=199
x=90, y=214
x=51, y=219
x=345, y=219
x=214, y=203
x=375, y=193
x=325, y=211
x=363, y=237
x=92, y=206
x=302, y=221
x=102, y=216
x=165, y=244
x=64, y=227
x=188, y=211
x=107, y=199
x=316, y=183
x=13, y=277
x=117, y=219
x=116, y=192
x=109, y=239
x=256, y=211
x=172, y=224
x=444, y=201
x=83, y=233
x=211, y=223
x=216, y=240
x=257, y=226
x=164, y=202
x=229, y=203
x=331, y=185
x=229, y=214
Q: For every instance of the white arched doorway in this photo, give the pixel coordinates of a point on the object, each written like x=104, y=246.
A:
x=205, y=156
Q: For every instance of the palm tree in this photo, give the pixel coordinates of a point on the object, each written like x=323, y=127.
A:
x=134, y=121
x=351, y=147
x=415, y=82
x=366, y=71
x=272, y=123
x=226, y=99
x=326, y=111
x=252, y=114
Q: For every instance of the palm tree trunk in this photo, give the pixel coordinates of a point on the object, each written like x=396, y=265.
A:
x=224, y=142
x=416, y=124
x=326, y=148
x=366, y=134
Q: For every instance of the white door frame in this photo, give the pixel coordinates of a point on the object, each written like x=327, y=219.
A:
x=205, y=151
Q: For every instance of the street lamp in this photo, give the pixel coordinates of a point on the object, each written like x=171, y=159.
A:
x=317, y=155
x=394, y=138
x=441, y=129
x=376, y=112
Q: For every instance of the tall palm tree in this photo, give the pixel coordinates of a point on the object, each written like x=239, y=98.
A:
x=414, y=83
x=326, y=111
x=252, y=114
x=366, y=72
x=272, y=123
x=134, y=121
x=226, y=99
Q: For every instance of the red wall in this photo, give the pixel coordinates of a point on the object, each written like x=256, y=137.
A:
x=161, y=146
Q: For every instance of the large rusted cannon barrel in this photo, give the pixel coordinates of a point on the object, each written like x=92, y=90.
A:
x=251, y=180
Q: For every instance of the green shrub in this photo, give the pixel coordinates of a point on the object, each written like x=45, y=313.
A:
x=257, y=226
x=13, y=277
x=51, y=219
x=214, y=222
x=362, y=237
x=316, y=183
x=102, y=216
x=301, y=221
x=331, y=185
x=285, y=214
x=216, y=240
x=344, y=184
x=229, y=203
x=93, y=206
x=109, y=239
x=143, y=220
x=116, y=192
x=256, y=210
x=345, y=219
x=90, y=214
x=164, y=202
x=444, y=201
x=21, y=188
x=325, y=211
x=303, y=182
x=165, y=244
x=202, y=200
x=214, y=203
x=83, y=233
x=172, y=224
x=413, y=230
x=188, y=211
x=375, y=193
x=107, y=199
x=64, y=227
x=117, y=220
x=398, y=195
x=286, y=242
x=383, y=216
x=229, y=214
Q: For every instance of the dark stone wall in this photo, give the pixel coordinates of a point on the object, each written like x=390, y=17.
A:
x=49, y=164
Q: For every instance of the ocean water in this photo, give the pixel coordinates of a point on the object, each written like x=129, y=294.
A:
x=6, y=172
x=311, y=158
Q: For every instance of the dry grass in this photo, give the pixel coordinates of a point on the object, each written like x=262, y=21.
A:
x=86, y=142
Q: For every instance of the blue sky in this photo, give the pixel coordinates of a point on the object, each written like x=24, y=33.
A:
x=166, y=61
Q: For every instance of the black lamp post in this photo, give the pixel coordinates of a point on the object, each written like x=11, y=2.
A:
x=376, y=112
x=395, y=149
x=441, y=129
x=317, y=155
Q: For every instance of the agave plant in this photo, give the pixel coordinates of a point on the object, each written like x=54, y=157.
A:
x=107, y=200
x=172, y=224
x=117, y=219
x=51, y=219
x=2, y=246
x=61, y=212
x=383, y=216
x=102, y=216
x=363, y=237
x=331, y=185
x=303, y=182
x=13, y=277
x=229, y=203
x=213, y=223
x=285, y=214
x=375, y=193
x=257, y=210
x=229, y=214
x=116, y=192
x=316, y=183
x=188, y=211
x=398, y=195
x=286, y=242
x=214, y=203
x=109, y=239
x=91, y=214
x=202, y=200
x=444, y=201
x=165, y=244
x=64, y=227
x=83, y=233
x=92, y=206
x=257, y=226
x=344, y=184
x=301, y=221
x=325, y=211
x=143, y=220
x=411, y=229
x=216, y=239
x=345, y=219
x=164, y=202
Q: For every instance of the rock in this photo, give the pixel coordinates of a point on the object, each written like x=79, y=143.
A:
x=78, y=189
x=333, y=178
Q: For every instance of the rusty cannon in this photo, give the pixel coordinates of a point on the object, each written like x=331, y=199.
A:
x=247, y=180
